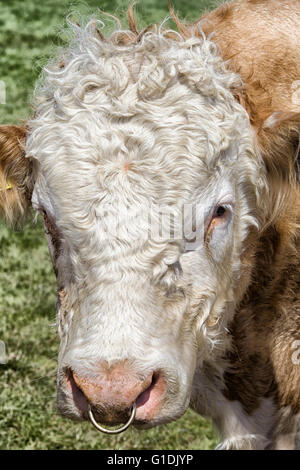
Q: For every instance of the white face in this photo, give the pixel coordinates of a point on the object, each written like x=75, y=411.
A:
x=136, y=312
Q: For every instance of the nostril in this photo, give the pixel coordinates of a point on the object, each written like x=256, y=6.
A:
x=145, y=395
x=113, y=393
x=149, y=402
x=78, y=396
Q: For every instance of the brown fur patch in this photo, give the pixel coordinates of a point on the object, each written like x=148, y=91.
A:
x=52, y=232
x=261, y=44
x=132, y=20
x=14, y=168
x=267, y=322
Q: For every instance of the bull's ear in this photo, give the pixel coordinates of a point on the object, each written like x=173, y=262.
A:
x=15, y=174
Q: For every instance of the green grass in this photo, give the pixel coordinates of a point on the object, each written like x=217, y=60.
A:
x=28, y=416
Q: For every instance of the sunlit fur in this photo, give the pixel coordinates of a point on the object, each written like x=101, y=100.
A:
x=15, y=175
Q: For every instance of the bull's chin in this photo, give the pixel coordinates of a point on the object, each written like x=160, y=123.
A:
x=68, y=409
x=139, y=424
x=159, y=420
x=164, y=413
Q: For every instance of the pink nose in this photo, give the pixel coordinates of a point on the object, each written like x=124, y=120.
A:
x=113, y=392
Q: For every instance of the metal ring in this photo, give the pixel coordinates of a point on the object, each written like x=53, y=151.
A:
x=112, y=431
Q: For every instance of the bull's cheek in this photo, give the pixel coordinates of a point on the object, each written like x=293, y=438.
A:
x=64, y=316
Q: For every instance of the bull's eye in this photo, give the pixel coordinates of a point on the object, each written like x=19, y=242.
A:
x=220, y=211
x=217, y=217
x=221, y=216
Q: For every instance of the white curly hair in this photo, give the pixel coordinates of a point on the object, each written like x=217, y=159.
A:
x=124, y=121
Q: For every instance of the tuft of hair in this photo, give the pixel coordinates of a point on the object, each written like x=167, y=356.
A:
x=133, y=55
x=15, y=175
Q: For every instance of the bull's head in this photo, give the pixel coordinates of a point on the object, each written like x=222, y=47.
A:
x=123, y=127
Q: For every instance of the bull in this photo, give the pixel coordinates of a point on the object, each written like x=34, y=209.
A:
x=204, y=122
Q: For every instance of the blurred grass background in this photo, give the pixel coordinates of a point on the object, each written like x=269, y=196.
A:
x=28, y=417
